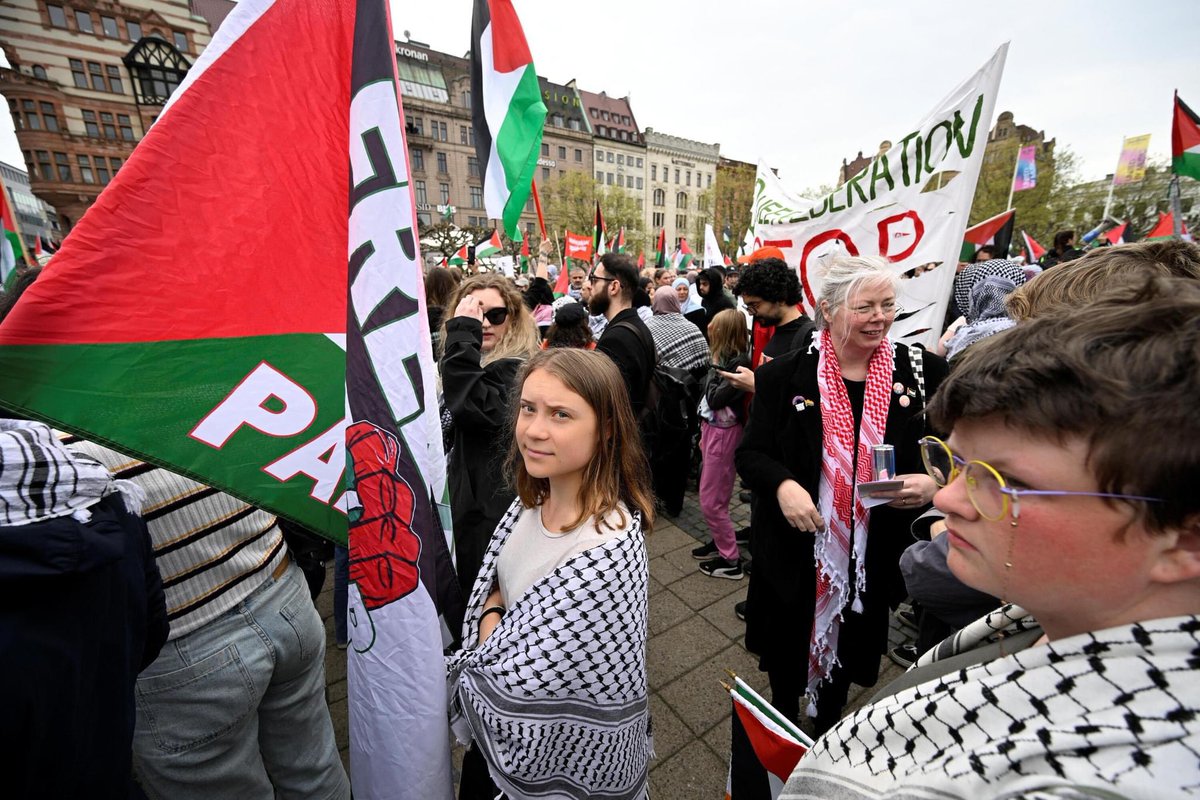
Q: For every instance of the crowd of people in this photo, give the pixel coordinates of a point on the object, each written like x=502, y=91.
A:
x=1037, y=510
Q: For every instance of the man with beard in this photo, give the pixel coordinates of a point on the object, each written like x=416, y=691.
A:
x=710, y=285
x=626, y=339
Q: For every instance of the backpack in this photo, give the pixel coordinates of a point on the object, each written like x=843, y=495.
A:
x=669, y=411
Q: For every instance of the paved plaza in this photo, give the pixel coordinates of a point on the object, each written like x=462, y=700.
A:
x=694, y=638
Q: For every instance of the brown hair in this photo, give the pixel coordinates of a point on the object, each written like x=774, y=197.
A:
x=1121, y=373
x=727, y=335
x=520, y=339
x=439, y=286
x=618, y=471
x=1070, y=285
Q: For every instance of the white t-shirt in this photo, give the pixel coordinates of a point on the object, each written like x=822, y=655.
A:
x=532, y=552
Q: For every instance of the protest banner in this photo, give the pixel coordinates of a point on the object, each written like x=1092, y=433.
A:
x=910, y=205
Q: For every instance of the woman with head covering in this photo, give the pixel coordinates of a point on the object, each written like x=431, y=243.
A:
x=689, y=302
x=826, y=566
x=1068, y=483
x=972, y=276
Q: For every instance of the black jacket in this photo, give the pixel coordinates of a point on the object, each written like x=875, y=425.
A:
x=81, y=614
x=627, y=341
x=478, y=400
x=720, y=393
x=781, y=443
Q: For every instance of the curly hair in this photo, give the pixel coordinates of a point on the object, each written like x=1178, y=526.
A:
x=770, y=279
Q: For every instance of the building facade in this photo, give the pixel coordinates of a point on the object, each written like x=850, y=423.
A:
x=566, y=139
x=619, y=145
x=88, y=79
x=680, y=183
x=33, y=216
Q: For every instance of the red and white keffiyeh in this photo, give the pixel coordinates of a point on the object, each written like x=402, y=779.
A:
x=838, y=502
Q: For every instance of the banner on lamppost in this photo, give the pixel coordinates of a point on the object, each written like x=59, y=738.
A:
x=1026, y=173
x=910, y=205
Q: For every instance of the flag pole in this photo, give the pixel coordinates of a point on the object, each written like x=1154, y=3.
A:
x=1012, y=185
x=1176, y=212
x=537, y=204
x=1109, y=201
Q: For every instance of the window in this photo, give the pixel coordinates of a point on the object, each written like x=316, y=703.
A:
x=64, y=167
x=180, y=40
x=562, y=152
x=608, y=178
x=658, y=219
x=418, y=126
x=78, y=74
x=620, y=180
x=677, y=176
x=573, y=124
x=578, y=155
x=473, y=166
x=109, y=26
x=134, y=29
x=545, y=174
x=681, y=222
x=85, y=169
x=466, y=99
x=462, y=134
x=681, y=200
x=639, y=183
x=418, y=159
x=58, y=18
x=604, y=116
x=620, y=160
x=545, y=150
x=599, y=176
x=39, y=71
x=689, y=177
x=625, y=119
x=599, y=155
x=624, y=136
x=476, y=197
x=444, y=193
x=660, y=197
x=529, y=229
x=443, y=132
x=562, y=173
x=419, y=191
x=114, y=79
x=654, y=172
x=89, y=123
x=44, y=167
x=116, y=164
x=32, y=122
x=441, y=162
x=109, y=128
x=102, y=171
x=126, y=127
x=639, y=163
x=557, y=120
x=83, y=21
x=97, y=76
x=601, y=130
x=424, y=219
x=709, y=181
x=608, y=157
x=702, y=203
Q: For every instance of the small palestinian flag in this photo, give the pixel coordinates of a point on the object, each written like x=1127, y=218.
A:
x=1033, y=250
x=489, y=246
x=12, y=252
x=459, y=258
x=765, y=746
x=508, y=113
x=660, y=256
x=683, y=256
x=598, y=232
x=996, y=232
x=641, y=260
x=617, y=245
x=1165, y=227
x=1185, y=141
x=1117, y=234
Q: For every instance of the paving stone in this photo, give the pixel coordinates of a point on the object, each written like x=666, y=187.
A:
x=335, y=662
x=700, y=591
x=336, y=690
x=655, y=586
x=718, y=737
x=339, y=713
x=681, y=648
x=665, y=572
x=666, y=611
x=670, y=733
x=665, y=538
x=681, y=558
x=694, y=772
x=720, y=613
x=698, y=698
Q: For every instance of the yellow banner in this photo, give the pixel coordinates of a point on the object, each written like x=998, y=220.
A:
x=1132, y=166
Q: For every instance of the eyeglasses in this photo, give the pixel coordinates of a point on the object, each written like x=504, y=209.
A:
x=753, y=307
x=593, y=277
x=888, y=309
x=986, y=488
x=496, y=316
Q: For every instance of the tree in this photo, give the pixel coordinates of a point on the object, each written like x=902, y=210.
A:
x=444, y=238
x=569, y=203
x=621, y=210
x=733, y=195
x=1042, y=210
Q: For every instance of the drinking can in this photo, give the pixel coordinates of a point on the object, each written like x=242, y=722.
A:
x=883, y=462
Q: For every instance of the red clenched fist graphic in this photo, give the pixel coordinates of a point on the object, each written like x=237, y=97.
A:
x=383, y=547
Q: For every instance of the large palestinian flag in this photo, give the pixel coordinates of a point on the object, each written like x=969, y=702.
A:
x=268, y=337
x=995, y=232
x=1185, y=141
x=508, y=113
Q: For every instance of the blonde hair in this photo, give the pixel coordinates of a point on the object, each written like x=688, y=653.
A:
x=847, y=275
x=520, y=339
x=727, y=335
x=618, y=471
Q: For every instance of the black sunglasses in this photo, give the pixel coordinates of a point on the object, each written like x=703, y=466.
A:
x=496, y=316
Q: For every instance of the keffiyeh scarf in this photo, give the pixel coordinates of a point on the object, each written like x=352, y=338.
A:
x=845, y=516
x=40, y=479
x=1114, y=713
x=556, y=698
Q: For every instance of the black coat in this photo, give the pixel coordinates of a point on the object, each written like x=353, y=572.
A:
x=781, y=443
x=627, y=341
x=478, y=399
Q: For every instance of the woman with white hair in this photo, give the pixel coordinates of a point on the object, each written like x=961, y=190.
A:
x=826, y=565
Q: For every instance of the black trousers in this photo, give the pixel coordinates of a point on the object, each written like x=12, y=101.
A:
x=788, y=686
x=476, y=782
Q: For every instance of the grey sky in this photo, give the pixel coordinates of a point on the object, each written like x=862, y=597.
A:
x=806, y=84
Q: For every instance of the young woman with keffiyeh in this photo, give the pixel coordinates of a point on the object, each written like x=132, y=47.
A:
x=826, y=568
x=551, y=684
x=1069, y=490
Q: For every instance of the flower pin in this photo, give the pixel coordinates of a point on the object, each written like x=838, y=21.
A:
x=799, y=402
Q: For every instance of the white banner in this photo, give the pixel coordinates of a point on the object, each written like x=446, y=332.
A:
x=712, y=250
x=909, y=205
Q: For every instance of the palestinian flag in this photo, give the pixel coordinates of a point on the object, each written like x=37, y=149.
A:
x=617, y=245
x=1117, y=235
x=1033, y=250
x=563, y=282
x=660, y=256
x=489, y=246
x=683, y=256
x=507, y=111
x=460, y=256
x=1185, y=141
x=641, y=260
x=288, y=363
x=765, y=746
x=12, y=252
x=1165, y=227
x=598, y=232
x=996, y=232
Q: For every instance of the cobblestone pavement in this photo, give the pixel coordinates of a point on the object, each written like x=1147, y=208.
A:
x=694, y=638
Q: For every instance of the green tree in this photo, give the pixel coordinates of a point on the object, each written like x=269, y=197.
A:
x=444, y=238
x=569, y=203
x=620, y=209
x=733, y=194
x=1042, y=210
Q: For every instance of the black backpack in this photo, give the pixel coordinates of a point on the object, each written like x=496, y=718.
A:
x=671, y=406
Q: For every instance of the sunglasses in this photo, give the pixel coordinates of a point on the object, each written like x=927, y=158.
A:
x=987, y=490
x=496, y=316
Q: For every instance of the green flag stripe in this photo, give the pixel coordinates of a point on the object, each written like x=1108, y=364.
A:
x=518, y=144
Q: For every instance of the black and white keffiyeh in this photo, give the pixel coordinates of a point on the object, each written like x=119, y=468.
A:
x=556, y=698
x=40, y=479
x=1109, y=714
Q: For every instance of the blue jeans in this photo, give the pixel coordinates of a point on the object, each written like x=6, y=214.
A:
x=237, y=708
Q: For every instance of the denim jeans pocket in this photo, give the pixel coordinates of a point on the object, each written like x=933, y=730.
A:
x=189, y=707
x=301, y=616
